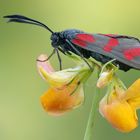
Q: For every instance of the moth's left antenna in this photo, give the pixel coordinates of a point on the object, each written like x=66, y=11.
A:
x=23, y=19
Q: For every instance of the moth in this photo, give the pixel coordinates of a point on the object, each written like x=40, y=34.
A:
x=102, y=47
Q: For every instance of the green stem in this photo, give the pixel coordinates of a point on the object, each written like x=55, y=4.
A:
x=90, y=125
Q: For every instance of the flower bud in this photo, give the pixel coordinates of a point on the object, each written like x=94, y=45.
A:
x=105, y=78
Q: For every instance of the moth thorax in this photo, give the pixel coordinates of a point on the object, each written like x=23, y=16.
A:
x=56, y=40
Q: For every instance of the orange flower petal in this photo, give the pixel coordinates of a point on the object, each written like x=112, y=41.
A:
x=58, y=101
x=120, y=114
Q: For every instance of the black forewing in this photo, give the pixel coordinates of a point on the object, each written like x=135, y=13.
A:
x=117, y=51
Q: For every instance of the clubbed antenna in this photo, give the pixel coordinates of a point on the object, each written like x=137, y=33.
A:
x=23, y=19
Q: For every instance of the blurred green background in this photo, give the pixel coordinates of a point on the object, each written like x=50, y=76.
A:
x=21, y=114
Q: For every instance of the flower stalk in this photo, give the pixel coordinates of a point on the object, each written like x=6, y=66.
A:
x=92, y=116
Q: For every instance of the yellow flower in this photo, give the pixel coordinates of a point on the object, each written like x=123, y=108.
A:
x=119, y=107
x=66, y=86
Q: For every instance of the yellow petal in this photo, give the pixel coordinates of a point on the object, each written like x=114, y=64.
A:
x=135, y=102
x=133, y=91
x=58, y=101
x=132, y=94
x=120, y=114
x=58, y=79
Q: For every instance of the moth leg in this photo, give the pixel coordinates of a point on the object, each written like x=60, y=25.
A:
x=59, y=58
x=78, y=53
x=53, y=52
x=63, y=51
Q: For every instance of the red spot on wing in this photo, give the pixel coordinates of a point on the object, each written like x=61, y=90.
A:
x=79, y=42
x=83, y=39
x=111, y=44
x=86, y=37
x=130, y=54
